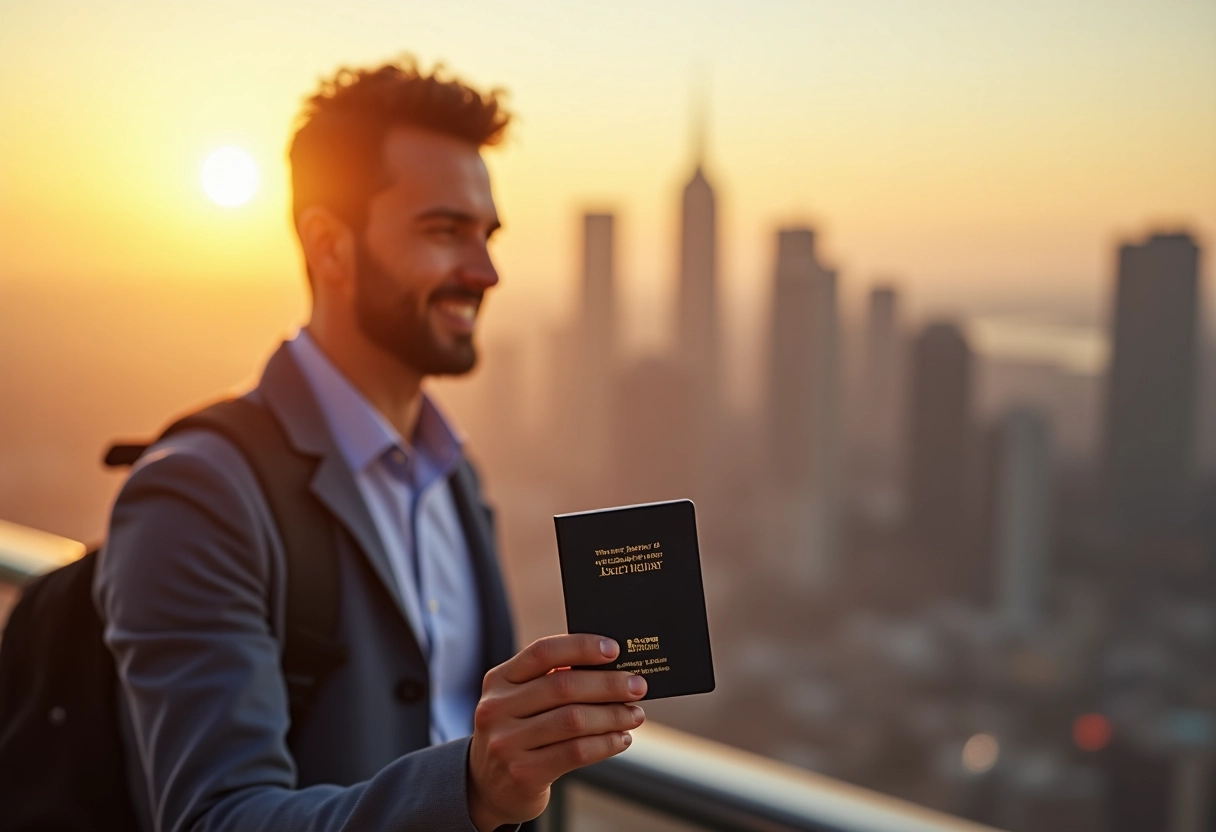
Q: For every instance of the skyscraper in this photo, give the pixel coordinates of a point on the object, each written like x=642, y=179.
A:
x=804, y=395
x=599, y=288
x=1022, y=503
x=597, y=341
x=697, y=350
x=583, y=357
x=882, y=361
x=651, y=452
x=698, y=295
x=939, y=436
x=1150, y=406
x=879, y=425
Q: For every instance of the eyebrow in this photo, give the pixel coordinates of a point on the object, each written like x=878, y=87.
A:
x=456, y=215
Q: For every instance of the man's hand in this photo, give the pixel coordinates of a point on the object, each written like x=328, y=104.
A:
x=537, y=720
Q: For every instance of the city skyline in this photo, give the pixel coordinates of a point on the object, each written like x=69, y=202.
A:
x=993, y=574
x=982, y=158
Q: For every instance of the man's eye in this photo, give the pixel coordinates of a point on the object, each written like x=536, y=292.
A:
x=445, y=232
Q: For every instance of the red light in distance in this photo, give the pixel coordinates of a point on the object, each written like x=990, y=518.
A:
x=1091, y=732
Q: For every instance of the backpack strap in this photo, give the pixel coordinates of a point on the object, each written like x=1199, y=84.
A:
x=311, y=650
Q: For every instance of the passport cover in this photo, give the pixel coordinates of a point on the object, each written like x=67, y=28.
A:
x=634, y=574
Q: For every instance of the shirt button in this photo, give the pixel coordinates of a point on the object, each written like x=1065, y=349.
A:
x=398, y=456
x=411, y=690
x=433, y=606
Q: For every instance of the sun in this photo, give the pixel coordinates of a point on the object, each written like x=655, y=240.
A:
x=229, y=176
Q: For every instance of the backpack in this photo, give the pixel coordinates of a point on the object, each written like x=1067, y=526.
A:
x=62, y=762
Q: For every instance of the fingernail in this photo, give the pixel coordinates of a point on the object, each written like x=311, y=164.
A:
x=627, y=739
x=638, y=713
x=608, y=648
x=637, y=685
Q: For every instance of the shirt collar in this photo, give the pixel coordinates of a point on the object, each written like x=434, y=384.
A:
x=435, y=438
x=360, y=431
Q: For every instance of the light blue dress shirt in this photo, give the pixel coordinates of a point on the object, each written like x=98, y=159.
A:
x=405, y=486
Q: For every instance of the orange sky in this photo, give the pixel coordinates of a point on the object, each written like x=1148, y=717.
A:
x=986, y=155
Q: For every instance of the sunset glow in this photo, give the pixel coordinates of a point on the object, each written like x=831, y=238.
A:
x=985, y=158
x=230, y=177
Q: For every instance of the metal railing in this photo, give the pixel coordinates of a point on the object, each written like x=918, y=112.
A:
x=26, y=553
x=713, y=786
x=695, y=781
x=710, y=786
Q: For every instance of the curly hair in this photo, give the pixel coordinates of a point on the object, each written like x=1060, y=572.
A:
x=335, y=153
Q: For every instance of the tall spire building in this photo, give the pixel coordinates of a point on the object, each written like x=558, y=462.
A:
x=698, y=299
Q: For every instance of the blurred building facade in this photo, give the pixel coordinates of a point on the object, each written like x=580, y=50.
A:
x=803, y=403
x=940, y=445
x=1022, y=473
x=1151, y=398
x=878, y=458
x=597, y=336
x=697, y=311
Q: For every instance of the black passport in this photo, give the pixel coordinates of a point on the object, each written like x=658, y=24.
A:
x=634, y=574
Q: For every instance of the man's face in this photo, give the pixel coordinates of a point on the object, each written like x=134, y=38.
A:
x=423, y=261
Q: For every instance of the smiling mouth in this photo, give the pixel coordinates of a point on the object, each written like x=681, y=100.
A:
x=459, y=312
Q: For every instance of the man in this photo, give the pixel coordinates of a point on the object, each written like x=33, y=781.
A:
x=431, y=723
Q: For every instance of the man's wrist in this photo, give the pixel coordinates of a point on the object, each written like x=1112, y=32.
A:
x=483, y=820
x=480, y=814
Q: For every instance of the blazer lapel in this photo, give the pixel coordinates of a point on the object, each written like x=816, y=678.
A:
x=289, y=397
x=336, y=488
x=498, y=637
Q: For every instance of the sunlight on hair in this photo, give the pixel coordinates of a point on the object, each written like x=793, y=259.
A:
x=229, y=176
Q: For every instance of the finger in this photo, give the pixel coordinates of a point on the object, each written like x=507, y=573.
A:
x=572, y=721
x=545, y=654
x=551, y=762
x=570, y=687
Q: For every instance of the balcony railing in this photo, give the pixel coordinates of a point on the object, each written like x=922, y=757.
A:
x=26, y=553
x=668, y=775
x=668, y=781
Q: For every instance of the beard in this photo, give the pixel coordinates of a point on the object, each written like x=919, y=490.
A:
x=397, y=321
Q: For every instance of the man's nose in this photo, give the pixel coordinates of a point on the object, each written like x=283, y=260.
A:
x=479, y=271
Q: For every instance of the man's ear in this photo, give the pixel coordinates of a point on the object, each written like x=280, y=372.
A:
x=329, y=245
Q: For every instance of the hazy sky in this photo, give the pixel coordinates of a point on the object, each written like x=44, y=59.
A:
x=986, y=155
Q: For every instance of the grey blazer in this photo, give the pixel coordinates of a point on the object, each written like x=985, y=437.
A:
x=191, y=587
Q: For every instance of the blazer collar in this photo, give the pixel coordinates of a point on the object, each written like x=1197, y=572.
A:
x=285, y=391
